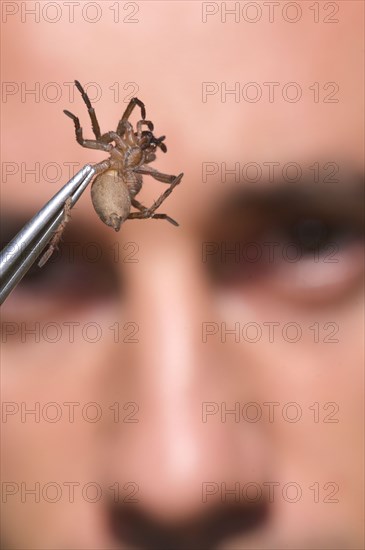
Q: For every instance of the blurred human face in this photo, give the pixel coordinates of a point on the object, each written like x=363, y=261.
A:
x=199, y=386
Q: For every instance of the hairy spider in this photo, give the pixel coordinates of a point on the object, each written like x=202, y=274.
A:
x=119, y=178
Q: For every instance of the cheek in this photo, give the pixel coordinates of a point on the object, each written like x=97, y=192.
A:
x=53, y=410
x=47, y=389
x=309, y=357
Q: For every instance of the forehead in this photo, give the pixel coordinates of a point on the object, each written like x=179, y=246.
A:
x=255, y=85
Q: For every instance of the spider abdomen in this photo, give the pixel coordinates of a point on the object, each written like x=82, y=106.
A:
x=111, y=199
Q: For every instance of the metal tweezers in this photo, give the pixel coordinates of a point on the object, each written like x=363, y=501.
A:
x=26, y=247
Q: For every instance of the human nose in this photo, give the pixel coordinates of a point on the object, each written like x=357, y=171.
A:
x=173, y=453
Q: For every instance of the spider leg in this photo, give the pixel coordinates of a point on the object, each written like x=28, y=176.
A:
x=149, y=158
x=148, y=123
x=165, y=217
x=129, y=135
x=102, y=166
x=164, y=195
x=89, y=143
x=142, y=209
x=94, y=120
x=138, y=205
x=150, y=212
x=148, y=171
x=142, y=216
x=112, y=136
x=108, y=137
x=127, y=113
x=58, y=234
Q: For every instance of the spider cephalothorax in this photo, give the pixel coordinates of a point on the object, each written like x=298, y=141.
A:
x=119, y=177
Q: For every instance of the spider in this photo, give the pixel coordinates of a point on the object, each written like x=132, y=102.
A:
x=119, y=178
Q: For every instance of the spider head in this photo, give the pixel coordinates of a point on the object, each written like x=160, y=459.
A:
x=150, y=143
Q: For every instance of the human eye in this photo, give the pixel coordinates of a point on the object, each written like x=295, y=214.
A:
x=304, y=249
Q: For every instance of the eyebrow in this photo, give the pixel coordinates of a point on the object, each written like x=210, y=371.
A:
x=279, y=200
x=345, y=197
